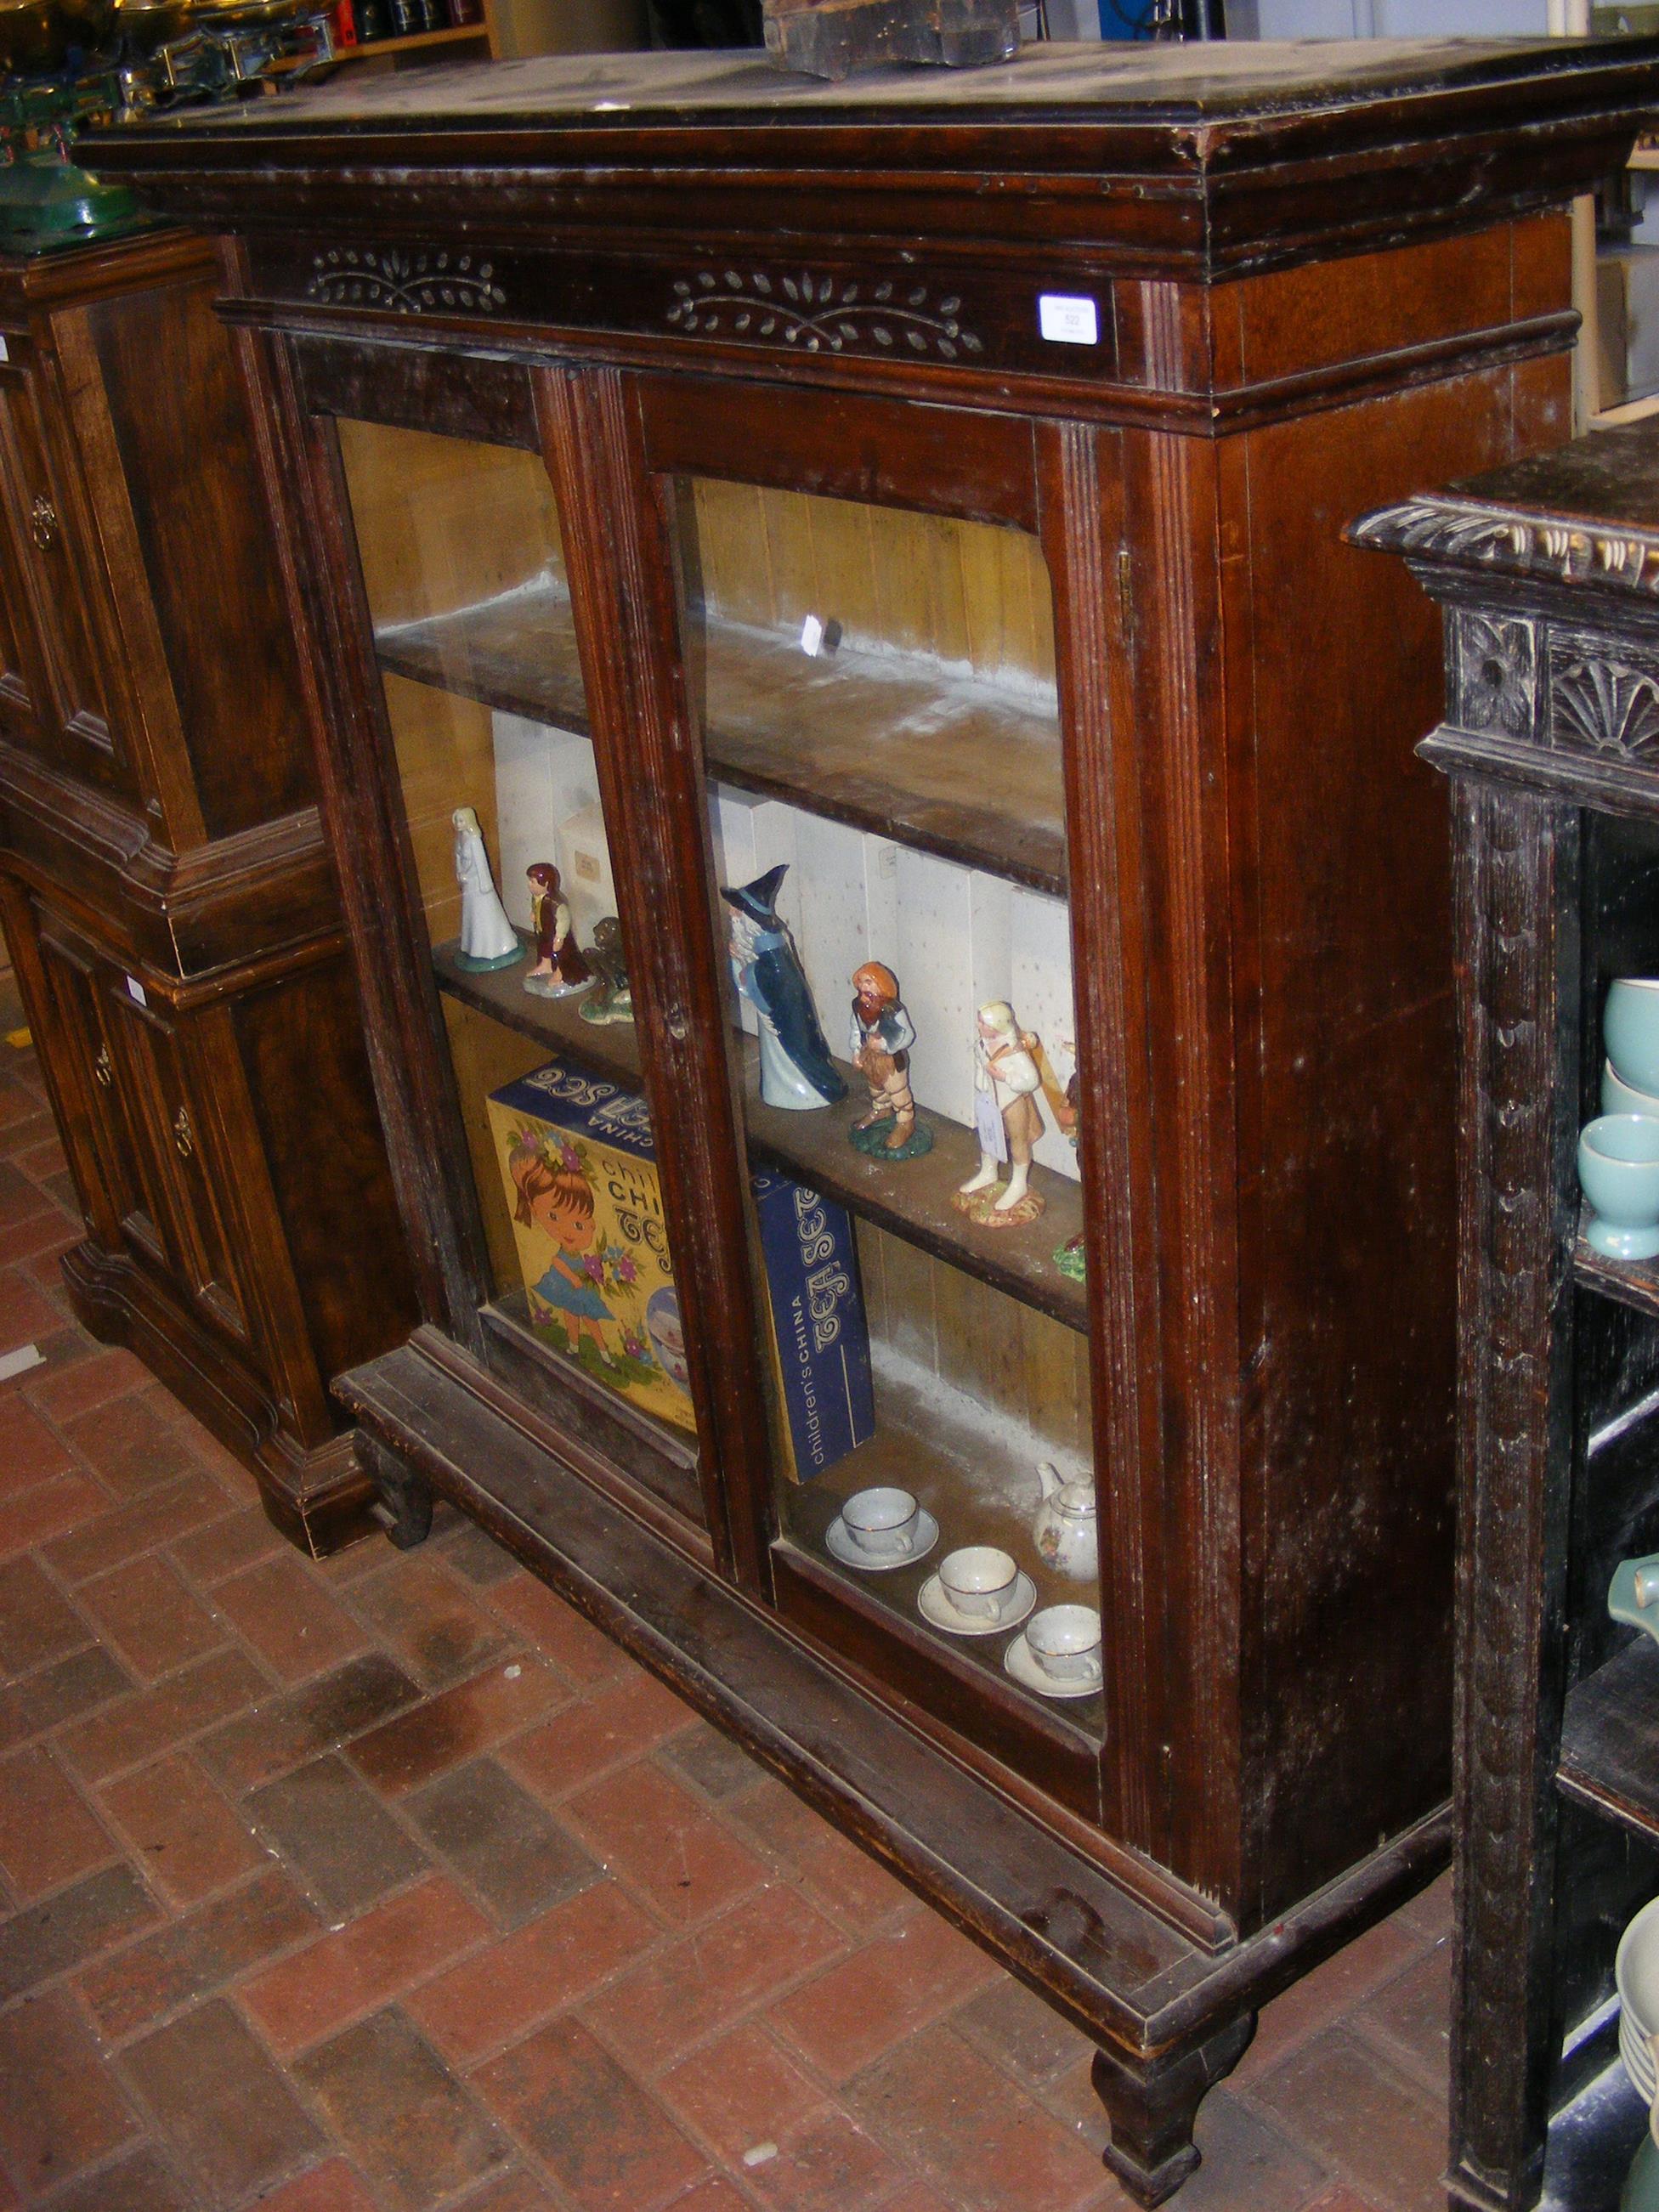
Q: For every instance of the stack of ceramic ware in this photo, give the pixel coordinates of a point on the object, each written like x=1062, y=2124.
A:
x=1636, y=1976
x=1619, y=1152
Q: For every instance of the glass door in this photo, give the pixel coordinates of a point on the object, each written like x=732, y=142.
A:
x=867, y=643
x=461, y=553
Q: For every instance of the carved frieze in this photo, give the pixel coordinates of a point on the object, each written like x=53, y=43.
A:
x=1462, y=530
x=421, y=282
x=821, y=313
x=1604, y=702
x=1496, y=674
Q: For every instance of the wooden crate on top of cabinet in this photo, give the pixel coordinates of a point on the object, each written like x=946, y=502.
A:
x=164, y=885
x=1042, y=394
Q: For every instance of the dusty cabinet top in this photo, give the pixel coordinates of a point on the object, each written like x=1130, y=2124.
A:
x=1200, y=159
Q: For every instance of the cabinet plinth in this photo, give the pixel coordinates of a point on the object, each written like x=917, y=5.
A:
x=824, y=614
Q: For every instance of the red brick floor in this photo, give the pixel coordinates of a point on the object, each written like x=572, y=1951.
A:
x=386, y=1885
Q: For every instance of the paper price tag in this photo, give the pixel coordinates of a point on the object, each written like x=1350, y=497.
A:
x=136, y=992
x=1067, y=320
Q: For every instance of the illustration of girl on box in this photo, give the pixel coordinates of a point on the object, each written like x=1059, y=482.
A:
x=556, y=1196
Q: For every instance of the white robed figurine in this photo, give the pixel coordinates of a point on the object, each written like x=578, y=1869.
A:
x=488, y=937
x=1007, y=1077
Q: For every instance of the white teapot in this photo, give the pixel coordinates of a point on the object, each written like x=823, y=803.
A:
x=1064, y=1529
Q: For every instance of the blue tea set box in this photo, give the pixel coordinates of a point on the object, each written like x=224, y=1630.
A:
x=578, y=1170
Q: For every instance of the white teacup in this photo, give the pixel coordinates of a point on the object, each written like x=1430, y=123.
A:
x=1064, y=1641
x=980, y=1581
x=883, y=1522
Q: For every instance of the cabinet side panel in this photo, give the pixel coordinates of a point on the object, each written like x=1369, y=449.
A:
x=307, y=1073
x=185, y=450
x=1347, y=1197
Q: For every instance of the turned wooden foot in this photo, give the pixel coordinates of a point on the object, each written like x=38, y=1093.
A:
x=404, y=1508
x=1153, y=2103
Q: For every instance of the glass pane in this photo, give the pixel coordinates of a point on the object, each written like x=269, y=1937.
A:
x=461, y=557
x=882, y=744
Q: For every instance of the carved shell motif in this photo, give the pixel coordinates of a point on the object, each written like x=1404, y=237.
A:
x=1497, y=675
x=1604, y=706
x=422, y=282
x=822, y=313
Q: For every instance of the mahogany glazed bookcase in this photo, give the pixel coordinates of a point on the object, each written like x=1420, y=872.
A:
x=596, y=392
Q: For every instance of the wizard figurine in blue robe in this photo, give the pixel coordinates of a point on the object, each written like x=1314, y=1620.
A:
x=796, y=1069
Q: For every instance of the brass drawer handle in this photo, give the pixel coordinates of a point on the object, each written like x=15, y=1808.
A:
x=182, y=1136
x=101, y=1067
x=43, y=521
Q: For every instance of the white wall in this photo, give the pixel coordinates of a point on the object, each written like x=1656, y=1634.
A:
x=1388, y=19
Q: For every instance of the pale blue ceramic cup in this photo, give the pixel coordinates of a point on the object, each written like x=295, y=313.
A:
x=1619, y=1168
x=1630, y=1031
x=1618, y=1096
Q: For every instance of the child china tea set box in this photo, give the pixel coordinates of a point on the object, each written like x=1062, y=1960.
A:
x=579, y=1176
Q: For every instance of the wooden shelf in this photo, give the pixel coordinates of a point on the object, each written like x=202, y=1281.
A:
x=376, y=49
x=1610, y=1738
x=952, y=765
x=911, y=1198
x=1632, y=1282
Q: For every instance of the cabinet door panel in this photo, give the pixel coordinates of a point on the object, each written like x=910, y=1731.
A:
x=153, y=1065
x=102, y=1153
x=77, y=725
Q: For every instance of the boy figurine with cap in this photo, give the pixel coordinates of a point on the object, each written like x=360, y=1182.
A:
x=882, y=1035
x=796, y=1069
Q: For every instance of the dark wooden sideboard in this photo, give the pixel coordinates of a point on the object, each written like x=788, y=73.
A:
x=166, y=889
x=1548, y=573
x=586, y=384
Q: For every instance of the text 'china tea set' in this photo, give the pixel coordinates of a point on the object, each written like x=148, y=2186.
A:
x=981, y=1591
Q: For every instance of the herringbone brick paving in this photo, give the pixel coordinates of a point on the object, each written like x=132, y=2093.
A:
x=385, y=1884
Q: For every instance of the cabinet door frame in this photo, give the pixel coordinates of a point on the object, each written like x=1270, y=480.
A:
x=63, y=593
x=555, y=414
x=1059, y=481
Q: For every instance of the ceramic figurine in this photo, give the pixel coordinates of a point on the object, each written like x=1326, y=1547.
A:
x=1007, y=1120
x=488, y=937
x=1064, y=1529
x=796, y=1069
x=611, y=998
x=1069, y=1258
x=560, y=970
x=882, y=1035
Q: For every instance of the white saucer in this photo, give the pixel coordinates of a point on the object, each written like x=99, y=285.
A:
x=938, y=1609
x=839, y=1545
x=1016, y=1660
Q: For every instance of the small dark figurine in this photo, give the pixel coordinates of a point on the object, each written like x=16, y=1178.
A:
x=882, y=1034
x=796, y=1069
x=611, y=998
x=560, y=970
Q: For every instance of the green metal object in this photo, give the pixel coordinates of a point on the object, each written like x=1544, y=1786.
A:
x=48, y=200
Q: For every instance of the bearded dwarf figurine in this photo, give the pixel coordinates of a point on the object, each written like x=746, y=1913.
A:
x=1006, y=1120
x=796, y=1069
x=882, y=1035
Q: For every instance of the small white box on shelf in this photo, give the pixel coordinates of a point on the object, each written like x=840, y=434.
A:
x=953, y=958
x=751, y=835
x=1040, y=958
x=584, y=863
x=543, y=777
